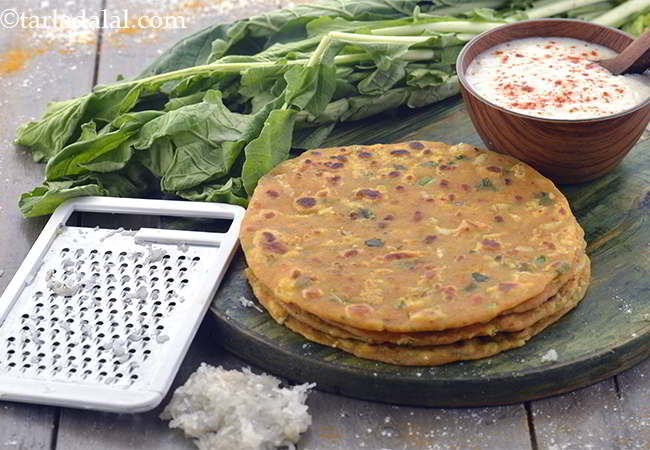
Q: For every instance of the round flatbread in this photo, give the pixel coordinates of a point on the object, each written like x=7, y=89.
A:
x=417, y=236
x=476, y=348
x=567, y=296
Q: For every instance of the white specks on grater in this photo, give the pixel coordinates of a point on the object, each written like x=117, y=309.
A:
x=93, y=314
x=155, y=255
x=141, y=293
x=120, y=231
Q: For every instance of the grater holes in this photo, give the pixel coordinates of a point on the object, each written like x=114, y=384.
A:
x=129, y=329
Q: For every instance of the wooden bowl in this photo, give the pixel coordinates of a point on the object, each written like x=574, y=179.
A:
x=567, y=151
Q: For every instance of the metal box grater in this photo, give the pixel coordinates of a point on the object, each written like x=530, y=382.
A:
x=102, y=318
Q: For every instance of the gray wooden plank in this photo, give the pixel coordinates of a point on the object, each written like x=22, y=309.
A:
x=587, y=418
x=634, y=387
x=25, y=426
x=36, y=66
x=346, y=423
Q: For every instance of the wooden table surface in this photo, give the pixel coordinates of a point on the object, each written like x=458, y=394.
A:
x=38, y=66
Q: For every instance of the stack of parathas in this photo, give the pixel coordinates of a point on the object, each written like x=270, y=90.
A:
x=415, y=253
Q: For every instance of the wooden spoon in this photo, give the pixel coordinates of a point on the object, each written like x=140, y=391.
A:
x=634, y=59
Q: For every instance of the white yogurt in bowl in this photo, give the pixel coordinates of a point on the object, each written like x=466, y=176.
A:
x=554, y=78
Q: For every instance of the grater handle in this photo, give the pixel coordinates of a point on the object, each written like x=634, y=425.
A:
x=117, y=205
x=163, y=236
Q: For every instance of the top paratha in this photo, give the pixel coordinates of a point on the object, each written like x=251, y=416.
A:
x=408, y=237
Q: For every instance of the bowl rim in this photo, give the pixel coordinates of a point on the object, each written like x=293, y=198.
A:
x=463, y=82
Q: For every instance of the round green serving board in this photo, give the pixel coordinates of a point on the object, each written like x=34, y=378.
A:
x=606, y=334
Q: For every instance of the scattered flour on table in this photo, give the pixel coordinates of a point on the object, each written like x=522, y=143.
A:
x=550, y=355
x=230, y=409
x=246, y=303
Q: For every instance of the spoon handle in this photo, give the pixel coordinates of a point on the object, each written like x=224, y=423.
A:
x=634, y=59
